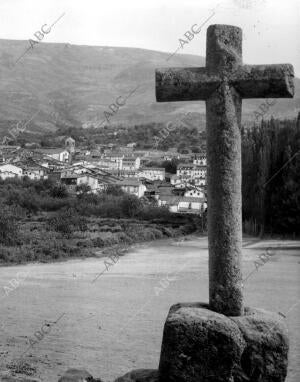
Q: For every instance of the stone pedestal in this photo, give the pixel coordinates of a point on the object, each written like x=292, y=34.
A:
x=78, y=375
x=200, y=345
x=139, y=375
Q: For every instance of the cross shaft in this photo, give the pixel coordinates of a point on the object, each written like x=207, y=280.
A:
x=223, y=83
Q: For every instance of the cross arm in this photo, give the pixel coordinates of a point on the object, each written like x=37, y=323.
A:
x=263, y=81
x=184, y=84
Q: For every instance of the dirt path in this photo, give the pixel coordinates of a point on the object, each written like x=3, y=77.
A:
x=115, y=323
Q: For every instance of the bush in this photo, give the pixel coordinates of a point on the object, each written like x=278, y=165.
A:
x=68, y=221
x=55, y=204
x=59, y=191
x=131, y=206
x=82, y=190
x=155, y=212
x=114, y=190
x=17, y=254
x=9, y=231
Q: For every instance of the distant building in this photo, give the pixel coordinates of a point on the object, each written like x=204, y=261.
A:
x=70, y=145
x=7, y=174
x=176, y=180
x=10, y=171
x=131, y=163
x=8, y=152
x=195, y=193
x=106, y=164
x=201, y=181
x=74, y=180
x=116, y=157
x=190, y=170
x=61, y=155
x=132, y=186
x=200, y=159
x=192, y=205
x=170, y=201
x=152, y=173
x=34, y=170
x=183, y=204
x=128, y=150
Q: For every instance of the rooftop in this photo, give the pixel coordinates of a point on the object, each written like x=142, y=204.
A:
x=50, y=151
x=152, y=169
x=129, y=182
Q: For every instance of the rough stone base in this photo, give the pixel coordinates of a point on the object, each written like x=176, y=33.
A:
x=140, y=375
x=78, y=375
x=200, y=345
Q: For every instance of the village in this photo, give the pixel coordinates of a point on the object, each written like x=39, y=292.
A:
x=94, y=170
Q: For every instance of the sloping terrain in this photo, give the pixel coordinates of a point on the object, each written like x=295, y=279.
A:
x=76, y=84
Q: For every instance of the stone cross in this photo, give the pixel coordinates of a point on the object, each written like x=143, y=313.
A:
x=223, y=83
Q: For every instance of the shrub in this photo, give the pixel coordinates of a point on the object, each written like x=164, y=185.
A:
x=131, y=206
x=9, y=231
x=98, y=242
x=82, y=190
x=68, y=221
x=60, y=224
x=114, y=190
x=59, y=191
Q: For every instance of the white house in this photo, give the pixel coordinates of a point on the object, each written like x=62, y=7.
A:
x=116, y=157
x=176, y=180
x=170, y=201
x=200, y=159
x=90, y=180
x=35, y=172
x=132, y=186
x=192, y=205
x=131, y=163
x=191, y=170
x=152, y=173
x=107, y=164
x=194, y=193
x=201, y=181
x=74, y=180
x=7, y=174
x=61, y=155
x=185, y=169
x=183, y=204
x=8, y=168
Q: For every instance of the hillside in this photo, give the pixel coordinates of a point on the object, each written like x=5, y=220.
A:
x=75, y=84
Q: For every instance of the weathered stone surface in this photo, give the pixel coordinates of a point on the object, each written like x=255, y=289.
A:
x=224, y=182
x=140, y=375
x=78, y=375
x=265, y=357
x=202, y=345
x=10, y=378
x=199, y=345
x=223, y=83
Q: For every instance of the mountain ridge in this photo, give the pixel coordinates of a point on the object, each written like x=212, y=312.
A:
x=74, y=84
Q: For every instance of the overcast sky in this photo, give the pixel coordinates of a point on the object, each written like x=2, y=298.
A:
x=271, y=27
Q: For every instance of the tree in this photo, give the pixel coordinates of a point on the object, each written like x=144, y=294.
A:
x=271, y=177
x=171, y=166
